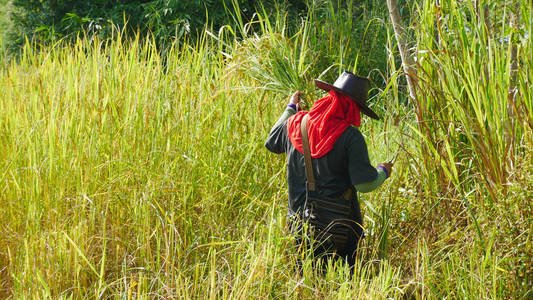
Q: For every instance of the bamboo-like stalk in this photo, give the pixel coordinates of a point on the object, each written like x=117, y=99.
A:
x=486, y=15
x=513, y=110
x=407, y=61
x=513, y=66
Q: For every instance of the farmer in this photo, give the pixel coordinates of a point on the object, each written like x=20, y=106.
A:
x=324, y=196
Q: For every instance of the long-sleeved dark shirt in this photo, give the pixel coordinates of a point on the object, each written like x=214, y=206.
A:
x=346, y=164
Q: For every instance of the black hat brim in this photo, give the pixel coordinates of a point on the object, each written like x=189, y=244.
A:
x=364, y=108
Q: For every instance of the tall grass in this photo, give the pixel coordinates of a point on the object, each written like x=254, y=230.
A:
x=122, y=179
x=465, y=86
x=126, y=175
x=475, y=132
x=284, y=59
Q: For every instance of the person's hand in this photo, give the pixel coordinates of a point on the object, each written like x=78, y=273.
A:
x=295, y=98
x=387, y=166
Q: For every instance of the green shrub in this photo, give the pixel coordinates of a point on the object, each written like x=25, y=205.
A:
x=49, y=20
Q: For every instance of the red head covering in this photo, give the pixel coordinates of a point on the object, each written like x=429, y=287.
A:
x=328, y=118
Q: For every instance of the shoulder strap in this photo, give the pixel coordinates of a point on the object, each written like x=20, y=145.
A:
x=307, y=155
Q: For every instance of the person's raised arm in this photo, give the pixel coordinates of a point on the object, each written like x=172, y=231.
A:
x=291, y=108
x=277, y=138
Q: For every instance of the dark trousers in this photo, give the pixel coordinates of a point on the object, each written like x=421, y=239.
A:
x=326, y=246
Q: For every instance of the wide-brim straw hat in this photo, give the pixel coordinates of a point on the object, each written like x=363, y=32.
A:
x=352, y=86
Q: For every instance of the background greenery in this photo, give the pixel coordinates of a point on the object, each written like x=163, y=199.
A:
x=4, y=21
x=49, y=20
x=131, y=172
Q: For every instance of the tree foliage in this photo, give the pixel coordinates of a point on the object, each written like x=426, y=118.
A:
x=48, y=20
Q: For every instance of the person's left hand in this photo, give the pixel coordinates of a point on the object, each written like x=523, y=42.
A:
x=388, y=166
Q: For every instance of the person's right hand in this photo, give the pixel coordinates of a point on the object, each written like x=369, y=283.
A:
x=387, y=166
x=295, y=98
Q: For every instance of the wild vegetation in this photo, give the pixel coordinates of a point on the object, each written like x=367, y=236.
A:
x=48, y=21
x=129, y=173
x=4, y=22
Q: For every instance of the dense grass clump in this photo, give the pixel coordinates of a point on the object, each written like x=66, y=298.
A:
x=126, y=174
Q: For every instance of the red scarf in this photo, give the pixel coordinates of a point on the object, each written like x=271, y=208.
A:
x=328, y=118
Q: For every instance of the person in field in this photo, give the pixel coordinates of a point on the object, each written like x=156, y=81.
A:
x=324, y=196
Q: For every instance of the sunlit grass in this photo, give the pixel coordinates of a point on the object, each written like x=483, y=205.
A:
x=123, y=174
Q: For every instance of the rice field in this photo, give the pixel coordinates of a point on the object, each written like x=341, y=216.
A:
x=129, y=174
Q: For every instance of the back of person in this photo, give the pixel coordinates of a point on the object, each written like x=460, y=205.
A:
x=339, y=163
